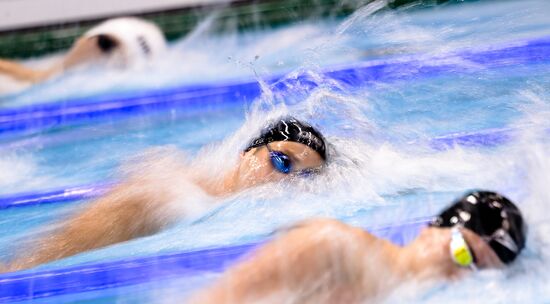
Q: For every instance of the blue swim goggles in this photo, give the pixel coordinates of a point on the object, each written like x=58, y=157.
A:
x=461, y=253
x=282, y=163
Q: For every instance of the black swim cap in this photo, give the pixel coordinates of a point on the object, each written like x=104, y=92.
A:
x=291, y=129
x=493, y=217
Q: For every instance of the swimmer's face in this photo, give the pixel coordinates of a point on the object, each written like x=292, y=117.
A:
x=432, y=248
x=256, y=166
x=485, y=256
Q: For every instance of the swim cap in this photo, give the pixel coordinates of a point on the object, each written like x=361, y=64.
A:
x=493, y=217
x=137, y=39
x=291, y=129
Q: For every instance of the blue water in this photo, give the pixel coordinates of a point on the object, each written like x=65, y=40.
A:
x=376, y=177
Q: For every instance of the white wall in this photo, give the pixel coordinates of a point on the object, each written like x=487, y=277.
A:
x=27, y=13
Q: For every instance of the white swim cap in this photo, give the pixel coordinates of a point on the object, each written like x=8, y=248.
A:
x=135, y=40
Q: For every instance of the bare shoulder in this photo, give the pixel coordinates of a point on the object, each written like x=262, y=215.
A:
x=324, y=239
x=314, y=261
x=329, y=228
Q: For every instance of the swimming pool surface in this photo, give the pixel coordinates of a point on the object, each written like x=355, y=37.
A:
x=383, y=171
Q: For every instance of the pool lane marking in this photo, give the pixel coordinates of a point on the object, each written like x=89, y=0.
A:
x=242, y=92
x=484, y=138
x=37, y=284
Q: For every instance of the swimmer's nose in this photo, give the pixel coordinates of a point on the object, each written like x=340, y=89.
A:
x=105, y=43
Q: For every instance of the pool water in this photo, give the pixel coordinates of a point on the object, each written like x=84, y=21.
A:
x=382, y=169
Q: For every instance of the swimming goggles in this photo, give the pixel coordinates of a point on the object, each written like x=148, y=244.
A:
x=460, y=251
x=282, y=163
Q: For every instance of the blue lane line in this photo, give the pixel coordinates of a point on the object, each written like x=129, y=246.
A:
x=134, y=271
x=194, y=98
x=484, y=138
x=41, y=117
x=98, y=276
x=53, y=196
x=76, y=279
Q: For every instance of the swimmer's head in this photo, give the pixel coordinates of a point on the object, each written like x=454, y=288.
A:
x=291, y=129
x=492, y=217
x=285, y=147
x=121, y=42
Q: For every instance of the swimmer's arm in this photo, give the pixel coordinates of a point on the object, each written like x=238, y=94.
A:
x=128, y=211
x=22, y=73
x=83, y=50
x=321, y=258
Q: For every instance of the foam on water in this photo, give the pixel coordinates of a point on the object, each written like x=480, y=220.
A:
x=202, y=57
x=382, y=169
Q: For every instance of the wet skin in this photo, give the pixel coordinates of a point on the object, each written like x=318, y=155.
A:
x=112, y=218
x=255, y=166
x=429, y=254
x=327, y=261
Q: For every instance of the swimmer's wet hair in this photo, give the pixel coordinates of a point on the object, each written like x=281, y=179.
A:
x=291, y=129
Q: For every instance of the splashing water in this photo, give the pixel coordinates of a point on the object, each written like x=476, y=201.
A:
x=382, y=169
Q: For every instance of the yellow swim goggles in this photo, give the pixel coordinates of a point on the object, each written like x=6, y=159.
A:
x=460, y=251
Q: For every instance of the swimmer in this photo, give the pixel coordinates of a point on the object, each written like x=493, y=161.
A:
x=120, y=42
x=152, y=199
x=326, y=261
